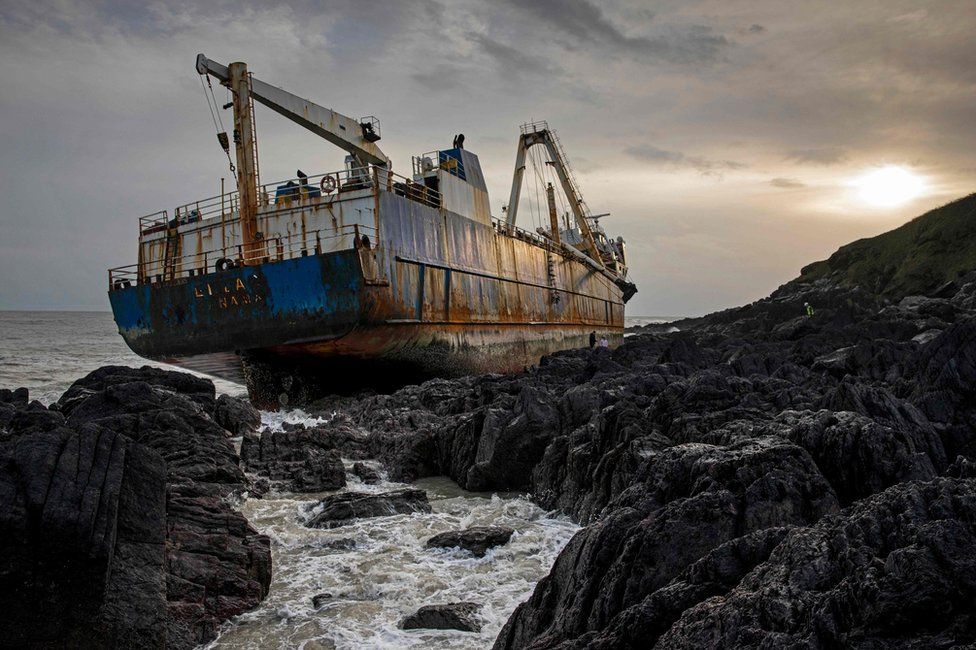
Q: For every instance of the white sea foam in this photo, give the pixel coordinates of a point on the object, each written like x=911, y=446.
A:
x=390, y=573
x=274, y=420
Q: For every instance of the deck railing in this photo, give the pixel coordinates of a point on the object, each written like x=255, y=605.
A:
x=294, y=193
x=503, y=228
x=433, y=160
x=274, y=249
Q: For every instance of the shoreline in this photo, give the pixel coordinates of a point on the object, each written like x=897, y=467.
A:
x=703, y=465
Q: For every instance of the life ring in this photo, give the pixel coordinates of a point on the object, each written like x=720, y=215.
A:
x=328, y=184
x=223, y=264
x=121, y=284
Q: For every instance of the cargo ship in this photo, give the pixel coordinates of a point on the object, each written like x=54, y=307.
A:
x=364, y=277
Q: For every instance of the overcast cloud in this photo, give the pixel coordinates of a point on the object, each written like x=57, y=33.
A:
x=722, y=137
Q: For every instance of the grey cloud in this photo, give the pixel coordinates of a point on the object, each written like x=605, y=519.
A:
x=443, y=76
x=580, y=19
x=786, y=183
x=511, y=59
x=818, y=156
x=665, y=158
x=911, y=17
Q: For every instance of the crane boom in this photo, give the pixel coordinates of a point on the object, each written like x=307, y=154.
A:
x=343, y=131
x=539, y=133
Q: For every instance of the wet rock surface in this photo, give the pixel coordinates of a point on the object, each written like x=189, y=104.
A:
x=340, y=509
x=236, y=415
x=695, y=457
x=477, y=539
x=365, y=473
x=116, y=524
x=296, y=459
x=452, y=616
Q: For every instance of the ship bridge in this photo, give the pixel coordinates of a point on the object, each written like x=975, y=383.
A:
x=455, y=174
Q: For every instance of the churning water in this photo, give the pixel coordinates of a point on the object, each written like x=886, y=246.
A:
x=388, y=573
x=375, y=570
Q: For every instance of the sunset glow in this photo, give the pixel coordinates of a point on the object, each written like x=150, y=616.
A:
x=889, y=186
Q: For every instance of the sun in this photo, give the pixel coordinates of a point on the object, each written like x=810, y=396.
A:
x=889, y=186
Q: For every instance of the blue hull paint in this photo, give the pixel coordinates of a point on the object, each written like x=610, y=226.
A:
x=307, y=298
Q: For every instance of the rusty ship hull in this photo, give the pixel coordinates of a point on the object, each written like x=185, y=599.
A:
x=394, y=284
x=363, y=277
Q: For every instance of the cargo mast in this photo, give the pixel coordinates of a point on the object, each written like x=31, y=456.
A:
x=246, y=146
x=540, y=133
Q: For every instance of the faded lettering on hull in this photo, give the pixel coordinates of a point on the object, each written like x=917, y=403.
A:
x=230, y=294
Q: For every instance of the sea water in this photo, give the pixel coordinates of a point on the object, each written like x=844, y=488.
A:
x=375, y=570
x=389, y=573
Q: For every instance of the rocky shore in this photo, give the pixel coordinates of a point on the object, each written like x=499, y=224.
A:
x=759, y=478
x=117, y=518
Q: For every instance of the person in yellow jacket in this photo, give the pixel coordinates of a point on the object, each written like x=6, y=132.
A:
x=809, y=308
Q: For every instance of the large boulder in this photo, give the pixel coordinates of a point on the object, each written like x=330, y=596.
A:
x=689, y=501
x=299, y=460
x=477, y=539
x=452, y=616
x=82, y=540
x=236, y=415
x=343, y=508
x=895, y=570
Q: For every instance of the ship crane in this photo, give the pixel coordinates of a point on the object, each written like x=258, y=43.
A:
x=357, y=137
x=540, y=134
x=611, y=263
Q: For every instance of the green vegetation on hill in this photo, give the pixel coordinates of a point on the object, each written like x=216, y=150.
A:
x=916, y=258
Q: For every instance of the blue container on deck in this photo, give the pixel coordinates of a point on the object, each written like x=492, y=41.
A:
x=292, y=190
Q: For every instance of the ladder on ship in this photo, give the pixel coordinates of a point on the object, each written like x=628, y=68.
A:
x=254, y=130
x=570, y=173
x=171, y=252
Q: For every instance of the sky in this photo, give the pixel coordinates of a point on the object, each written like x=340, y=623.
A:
x=725, y=138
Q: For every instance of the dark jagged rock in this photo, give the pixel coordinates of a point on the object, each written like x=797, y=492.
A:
x=365, y=473
x=184, y=432
x=477, y=539
x=16, y=397
x=452, y=616
x=82, y=537
x=640, y=625
x=895, y=569
x=236, y=415
x=199, y=390
x=295, y=458
x=115, y=525
x=688, y=501
x=343, y=508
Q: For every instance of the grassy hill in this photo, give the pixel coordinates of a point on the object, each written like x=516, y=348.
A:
x=916, y=258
